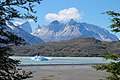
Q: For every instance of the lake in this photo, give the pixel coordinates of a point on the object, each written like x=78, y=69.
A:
x=63, y=60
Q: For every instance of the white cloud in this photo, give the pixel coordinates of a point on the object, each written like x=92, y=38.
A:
x=63, y=15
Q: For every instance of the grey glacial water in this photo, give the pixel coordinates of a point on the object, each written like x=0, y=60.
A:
x=63, y=60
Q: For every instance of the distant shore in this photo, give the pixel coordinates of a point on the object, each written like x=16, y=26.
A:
x=65, y=72
x=55, y=64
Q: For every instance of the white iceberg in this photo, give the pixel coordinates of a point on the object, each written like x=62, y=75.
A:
x=40, y=58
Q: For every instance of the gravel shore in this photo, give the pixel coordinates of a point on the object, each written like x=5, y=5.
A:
x=65, y=72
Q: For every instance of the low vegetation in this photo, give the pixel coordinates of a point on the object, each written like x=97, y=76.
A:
x=74, y=47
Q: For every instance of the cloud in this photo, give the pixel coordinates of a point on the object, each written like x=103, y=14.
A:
x=64, y=15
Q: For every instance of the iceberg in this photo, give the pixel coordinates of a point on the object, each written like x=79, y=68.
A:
x=40, y=58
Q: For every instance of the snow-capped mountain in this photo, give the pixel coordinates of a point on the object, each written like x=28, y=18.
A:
x=17, y=30
x=26, y=26
x=57, y=31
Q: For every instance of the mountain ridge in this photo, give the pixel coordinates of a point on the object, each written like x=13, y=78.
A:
x=18, y=31
x=26, y=26
x=57, y=31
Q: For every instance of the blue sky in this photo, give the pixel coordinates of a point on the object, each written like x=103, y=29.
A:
x=89, y=10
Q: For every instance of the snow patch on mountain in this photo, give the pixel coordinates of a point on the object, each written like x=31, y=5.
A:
x=26, y=26
x=57, y=31
x=17, y=30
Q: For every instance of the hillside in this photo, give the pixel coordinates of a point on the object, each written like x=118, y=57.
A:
x=74, y=47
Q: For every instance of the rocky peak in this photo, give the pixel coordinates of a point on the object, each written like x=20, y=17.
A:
x=55, y=22
x=72, y=22
x=55, y=26
x=26, y=26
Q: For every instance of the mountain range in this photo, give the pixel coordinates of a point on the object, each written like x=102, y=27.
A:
x=89, y=39
x=22, y=31
x=57, y=31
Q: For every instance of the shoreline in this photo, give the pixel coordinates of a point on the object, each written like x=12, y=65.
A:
x=59, y=64
x=51, y=65
x=54, y=64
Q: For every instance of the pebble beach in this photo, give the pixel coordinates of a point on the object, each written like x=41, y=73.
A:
x=65, y=72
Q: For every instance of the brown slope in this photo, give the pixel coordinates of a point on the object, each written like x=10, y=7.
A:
x=75, y=47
